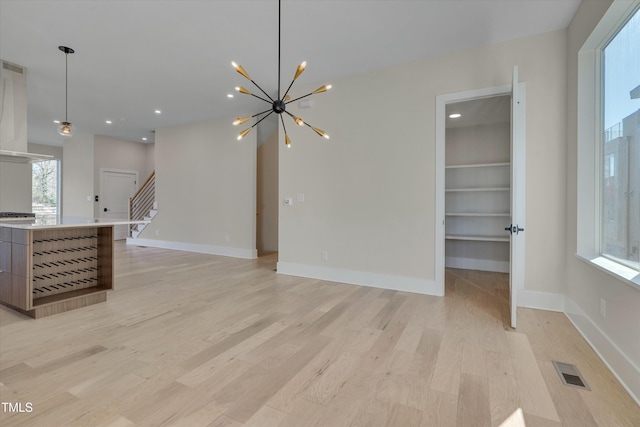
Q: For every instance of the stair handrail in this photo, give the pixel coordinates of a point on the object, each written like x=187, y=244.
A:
x=142, y=201
x=142, y=187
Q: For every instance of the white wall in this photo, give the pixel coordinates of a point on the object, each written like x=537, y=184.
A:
x=77, y=176
x=616, y=337
x=117, y=154
x=205, y=190
x=15, y=187
x=267, y=195
x=370, y=190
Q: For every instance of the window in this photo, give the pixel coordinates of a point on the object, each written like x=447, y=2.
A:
x=620, y=192
x=45, y=184
x=608, y=210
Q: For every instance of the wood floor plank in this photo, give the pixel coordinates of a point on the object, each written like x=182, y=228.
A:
x=532, y=390
x=247, y=405
x=446, y=376
x=473, y=402
x=440, y=409
x=194, y=340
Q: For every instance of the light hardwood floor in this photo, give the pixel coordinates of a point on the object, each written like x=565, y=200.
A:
x=197, y=340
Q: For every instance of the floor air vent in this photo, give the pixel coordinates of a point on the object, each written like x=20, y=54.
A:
x=570, y=375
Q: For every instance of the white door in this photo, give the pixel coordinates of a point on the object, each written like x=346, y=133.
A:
x=116, y=188
x=516, y=229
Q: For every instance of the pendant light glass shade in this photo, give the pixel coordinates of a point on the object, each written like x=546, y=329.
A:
x=66, y=129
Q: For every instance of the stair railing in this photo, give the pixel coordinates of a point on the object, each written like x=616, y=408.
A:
x=141, y=203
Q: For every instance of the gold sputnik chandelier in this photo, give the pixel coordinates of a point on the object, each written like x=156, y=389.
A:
x=278, y=105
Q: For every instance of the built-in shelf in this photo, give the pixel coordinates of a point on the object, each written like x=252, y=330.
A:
x=478, y=214
x=478, y=165
x=477, y=238
x=453, y=190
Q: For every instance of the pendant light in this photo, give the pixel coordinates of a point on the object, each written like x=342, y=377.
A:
x=66, y=128
x=278, y=105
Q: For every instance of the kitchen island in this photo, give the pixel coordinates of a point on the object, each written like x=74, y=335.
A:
x=50, y=266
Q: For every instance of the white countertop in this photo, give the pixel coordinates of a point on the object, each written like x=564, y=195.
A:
x=63, y=222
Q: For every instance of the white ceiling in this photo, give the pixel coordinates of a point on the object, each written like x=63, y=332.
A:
x=135, y=56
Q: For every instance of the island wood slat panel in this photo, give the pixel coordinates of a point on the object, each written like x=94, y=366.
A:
x=58, y=269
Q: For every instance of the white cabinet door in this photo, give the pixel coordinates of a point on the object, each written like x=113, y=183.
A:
x=518, y=164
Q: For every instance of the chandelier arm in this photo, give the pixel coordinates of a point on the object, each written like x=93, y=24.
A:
x=259, y=97
x=256, y=115
x=303, y=96
x=285, y=94
x=266, y=94
x=283, y=126
x=256, y=123
x=291, y=115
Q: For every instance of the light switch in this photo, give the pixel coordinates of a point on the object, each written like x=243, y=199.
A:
x=300, y=197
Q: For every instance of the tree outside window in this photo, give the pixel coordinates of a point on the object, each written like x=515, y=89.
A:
x=44, y=187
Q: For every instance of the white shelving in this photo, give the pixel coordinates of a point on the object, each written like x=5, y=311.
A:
x=477, y=212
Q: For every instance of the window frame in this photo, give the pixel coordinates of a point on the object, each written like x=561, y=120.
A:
x=590, y=143
x=58, y=183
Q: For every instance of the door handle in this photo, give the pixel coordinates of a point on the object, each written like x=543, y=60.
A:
x=514, y=229
x=105, y=209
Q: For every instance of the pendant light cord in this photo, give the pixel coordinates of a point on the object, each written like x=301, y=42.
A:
x=66, y=86
x=279, y=17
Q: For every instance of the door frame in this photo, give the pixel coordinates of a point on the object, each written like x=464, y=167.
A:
x=441, y=103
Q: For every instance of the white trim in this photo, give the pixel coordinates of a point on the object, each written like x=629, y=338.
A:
x=589, y=149
x=615, y=359
x=615, y=269
x=196, y=247
x=542, y=300
x=363, y=278
x=477, y=264
x=441, y=104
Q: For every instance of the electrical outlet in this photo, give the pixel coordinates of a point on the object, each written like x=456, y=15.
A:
x=157, y=232
x=325, y=255
x=603, y=308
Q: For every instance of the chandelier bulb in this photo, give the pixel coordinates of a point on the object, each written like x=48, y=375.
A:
x=287, y=141
x=241, y=120
x=320, y=132
x=321, y=89
x=241, y=70
x=244, y=133
x=298, y=120
x=300, y=69
x=243, y=90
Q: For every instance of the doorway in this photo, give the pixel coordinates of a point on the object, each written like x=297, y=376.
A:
x=116, y=186
x=480, y=189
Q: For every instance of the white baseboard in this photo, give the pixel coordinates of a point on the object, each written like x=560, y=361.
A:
x=616, y=360
x=541, y=300
x=477, y=264
x=364, y=278
x=196, y=247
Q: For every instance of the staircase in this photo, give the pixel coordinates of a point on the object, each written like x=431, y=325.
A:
x=143, y=206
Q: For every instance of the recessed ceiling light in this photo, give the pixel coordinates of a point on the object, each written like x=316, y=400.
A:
x=144, y=138
x=229, y=95
x=108, y=122
x=56, y=121
x=158, y=112
x=455, y=115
